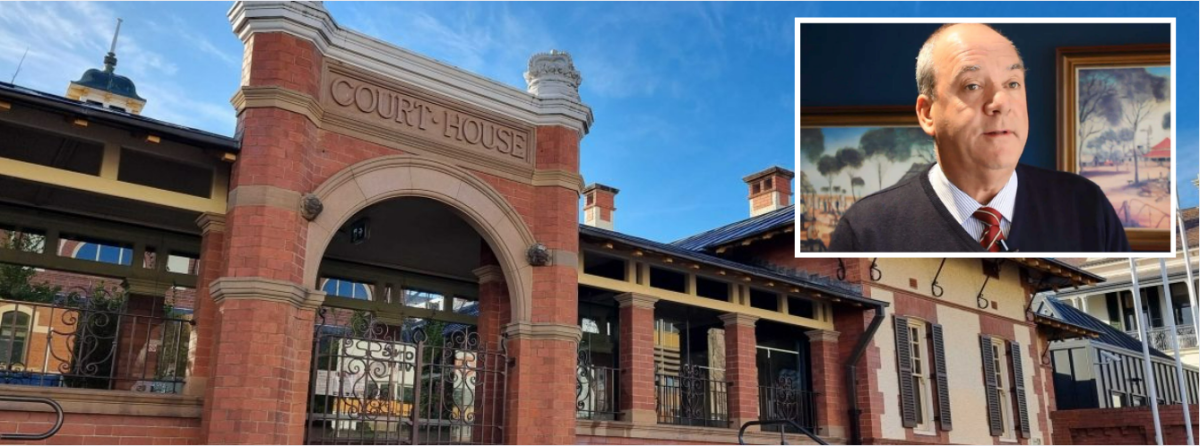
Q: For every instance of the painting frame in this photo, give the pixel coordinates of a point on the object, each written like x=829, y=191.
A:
x=849, y=117
x=1068, y=61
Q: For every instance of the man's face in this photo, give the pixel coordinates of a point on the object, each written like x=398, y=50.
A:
x=979, y=118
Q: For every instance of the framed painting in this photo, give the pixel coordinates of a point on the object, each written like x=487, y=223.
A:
x=847, y=153
x=1114, y=128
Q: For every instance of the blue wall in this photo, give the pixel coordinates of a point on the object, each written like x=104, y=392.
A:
x=875, y=64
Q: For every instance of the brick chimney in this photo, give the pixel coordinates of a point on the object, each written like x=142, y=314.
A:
x=770, y=189
x=599, y=205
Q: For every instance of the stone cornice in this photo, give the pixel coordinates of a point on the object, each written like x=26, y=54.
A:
x=822, y=335
x=104, y=402
x=543, y=331
x=278, y=97
x=258, y=288
x=312, y=22
x=210, y=222
x=271, y=196
x=636, y=300
x=558, y=178
x=489, y=273
x=738, y=319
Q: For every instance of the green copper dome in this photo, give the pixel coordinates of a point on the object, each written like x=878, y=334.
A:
x=106, y=80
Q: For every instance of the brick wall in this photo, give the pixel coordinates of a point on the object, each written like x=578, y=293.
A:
x=1131, y=425
x=102, y=429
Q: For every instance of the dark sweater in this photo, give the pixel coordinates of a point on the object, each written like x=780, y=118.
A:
x=1054, y=212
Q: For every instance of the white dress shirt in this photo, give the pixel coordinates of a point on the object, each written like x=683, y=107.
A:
x=962, y=206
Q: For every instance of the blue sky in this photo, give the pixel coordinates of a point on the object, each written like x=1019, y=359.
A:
x=688, y=97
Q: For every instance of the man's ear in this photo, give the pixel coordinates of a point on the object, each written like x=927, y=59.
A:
x=924, y=116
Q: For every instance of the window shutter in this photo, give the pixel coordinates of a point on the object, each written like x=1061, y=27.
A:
x=908, y=403
x=943, y=384
x=989, y=384
x=1019, y=386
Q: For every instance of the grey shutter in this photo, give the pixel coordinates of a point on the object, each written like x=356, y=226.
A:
x=1019, y=386
x=908, y=402
x=989, y=384
x=943, y=384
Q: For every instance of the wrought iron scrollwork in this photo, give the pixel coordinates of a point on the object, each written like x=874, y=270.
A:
x=841, y=270
x=876, y=273
x=933, y=286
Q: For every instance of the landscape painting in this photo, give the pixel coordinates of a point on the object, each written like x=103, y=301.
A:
x=840, y=165
x=1124, y=140
x=1116, y=132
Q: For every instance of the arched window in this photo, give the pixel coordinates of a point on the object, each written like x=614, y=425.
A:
x=14, y=336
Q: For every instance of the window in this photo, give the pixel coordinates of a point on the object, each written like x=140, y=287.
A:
x=423, y=299
x=918, y=355
x=100, y=252
x=999, y=353
x=346, y=288
x=14, y=334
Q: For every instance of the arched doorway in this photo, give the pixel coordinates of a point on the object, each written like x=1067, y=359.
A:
x=407, y=345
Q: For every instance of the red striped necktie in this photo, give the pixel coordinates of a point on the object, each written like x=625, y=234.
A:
x=992, y=236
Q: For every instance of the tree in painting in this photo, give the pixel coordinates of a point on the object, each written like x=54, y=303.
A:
x=1122, y=140
x=855, y=162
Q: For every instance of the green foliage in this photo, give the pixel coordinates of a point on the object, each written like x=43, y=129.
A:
x=812, y=144
x=16, y=281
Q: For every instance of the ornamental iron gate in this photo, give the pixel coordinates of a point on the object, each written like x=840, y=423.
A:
x=403, y=381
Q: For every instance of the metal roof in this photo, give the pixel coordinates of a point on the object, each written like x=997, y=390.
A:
x=1108, y=334
x=179, y=133
x=798, y=278
x=733, y=232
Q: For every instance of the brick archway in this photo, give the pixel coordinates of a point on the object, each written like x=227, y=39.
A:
x=380, y=179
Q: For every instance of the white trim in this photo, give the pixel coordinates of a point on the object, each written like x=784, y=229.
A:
x=312, y=22
x=1004, y=387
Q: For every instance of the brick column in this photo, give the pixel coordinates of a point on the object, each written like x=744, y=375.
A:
x=493, y=305
x=262, y=350
x=212, y=257
x=740, y=367
x=636, y=321
x=826, y=370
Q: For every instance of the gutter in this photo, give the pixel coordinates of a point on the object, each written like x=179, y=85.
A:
x=852, y=368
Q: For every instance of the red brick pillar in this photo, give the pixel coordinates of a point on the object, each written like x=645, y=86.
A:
x=826, y=372
x=493, y=304
x=212, y=257
x=740, y=367
x=258, y=392
x=637, y=400
x=542, y=409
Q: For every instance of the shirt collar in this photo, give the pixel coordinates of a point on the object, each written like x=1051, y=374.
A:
x=962, y=206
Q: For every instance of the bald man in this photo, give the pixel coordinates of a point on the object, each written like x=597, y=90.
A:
x=976, y=197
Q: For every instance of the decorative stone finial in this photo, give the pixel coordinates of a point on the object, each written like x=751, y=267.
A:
x=553, y=74
x=310, y=206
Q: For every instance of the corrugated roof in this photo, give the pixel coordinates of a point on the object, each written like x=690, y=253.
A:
x=733, y=232
x=120, y=118
x=1108, y=334
x=814, y=282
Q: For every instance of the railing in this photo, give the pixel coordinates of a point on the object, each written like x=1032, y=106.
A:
x=1160, y=338
x=691, y=399
x=784, y=425
x=96, y=342
x=596, y=392
x=783, y=401
x=58, y=418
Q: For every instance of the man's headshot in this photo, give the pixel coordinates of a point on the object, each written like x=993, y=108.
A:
x=975, y=195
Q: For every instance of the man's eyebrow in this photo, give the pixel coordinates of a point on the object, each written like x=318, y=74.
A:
x=1016, y=66
x=967, y=69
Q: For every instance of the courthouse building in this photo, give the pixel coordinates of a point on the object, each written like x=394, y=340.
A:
x=388, y=251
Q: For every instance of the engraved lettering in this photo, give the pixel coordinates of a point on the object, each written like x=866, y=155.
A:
x=411, y=115
x=342, y=96
x=471, y=130
x=370, y=99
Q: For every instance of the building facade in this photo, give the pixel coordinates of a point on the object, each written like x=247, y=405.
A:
x=389, y=251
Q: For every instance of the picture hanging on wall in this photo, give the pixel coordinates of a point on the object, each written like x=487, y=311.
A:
x=1114, y=128
x=847, y=153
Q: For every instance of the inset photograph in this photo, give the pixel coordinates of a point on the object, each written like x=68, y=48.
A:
x=961, y=138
